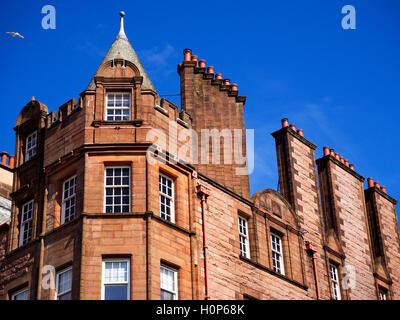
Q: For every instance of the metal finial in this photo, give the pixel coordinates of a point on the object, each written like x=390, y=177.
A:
x=122, y=31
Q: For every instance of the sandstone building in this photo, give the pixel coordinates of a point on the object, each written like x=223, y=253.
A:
x=91, y=209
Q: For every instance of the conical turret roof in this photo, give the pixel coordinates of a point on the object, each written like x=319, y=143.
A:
x=123, y=47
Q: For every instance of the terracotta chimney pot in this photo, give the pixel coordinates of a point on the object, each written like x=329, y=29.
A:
x=300, y=132
x=370, y=182
x=326, y=151
x=210, y=70
x=292, y=126
x=218, y=76
x=202, y=63
x=285, y=122
x=187, y=54
x=4, y=156
x=234, y=87
x=11, y=161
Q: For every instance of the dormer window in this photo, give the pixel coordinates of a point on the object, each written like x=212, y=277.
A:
x=118, y=106
x=30, y=148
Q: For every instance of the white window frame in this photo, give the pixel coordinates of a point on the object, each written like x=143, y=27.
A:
x=117, y=186
x=335, y=283
x=129, y=108
x=278, y=254
x=25, y=223
x=383, y=294
x=13, y=295
x=244, y=237
x=171, y=198
x=175, y=273
x=103, y=273
x=30, y=151
x=69, y=198
x=58, y=274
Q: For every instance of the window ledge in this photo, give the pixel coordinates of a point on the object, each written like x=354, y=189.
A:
x=135, y=123
x=270, y=271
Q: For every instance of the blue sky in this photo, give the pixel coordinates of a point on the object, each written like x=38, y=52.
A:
x=290, y=58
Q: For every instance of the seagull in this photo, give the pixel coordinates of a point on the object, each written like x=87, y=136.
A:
x=15, y=34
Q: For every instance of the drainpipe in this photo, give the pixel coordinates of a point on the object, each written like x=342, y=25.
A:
x=311, y=251
x=204, y=192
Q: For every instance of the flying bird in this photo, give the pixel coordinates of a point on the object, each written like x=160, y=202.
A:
x=15, y=34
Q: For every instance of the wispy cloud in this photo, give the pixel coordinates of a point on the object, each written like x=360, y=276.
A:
x=157, y=59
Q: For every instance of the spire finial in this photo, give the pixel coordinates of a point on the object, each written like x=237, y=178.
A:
x=122, y=31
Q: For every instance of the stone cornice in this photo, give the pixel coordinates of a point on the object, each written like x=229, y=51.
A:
x=294, y=134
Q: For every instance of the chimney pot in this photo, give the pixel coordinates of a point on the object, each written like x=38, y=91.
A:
x=234, y=87
x=285, y=122
x=218, y=76
x=376, y=184
x=383, y=188
x=195, y=58
x=300, y=132
x=227, y=82
x=352, y=167
x=187, y=54
x=4, y=156
x=342, y=159
x=370, y=182
x=337, y=155
x=292, y=126
x=202, y=63
x=11, y=161
x=210, y=70
x=332, y=152
x=326, y=151
x=346, y=162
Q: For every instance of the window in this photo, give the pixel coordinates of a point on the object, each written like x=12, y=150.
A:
x=169, y=283
x=68, y=201
x=25, y=231
x=382, y=294
x=115, y=280
x=166, y=186
x=118, y=106
x=64, y=284
x=20, y=295
x=117, y=190
x=335, y=282
x=244, y=238
x=30, y=148
x=277, y=255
